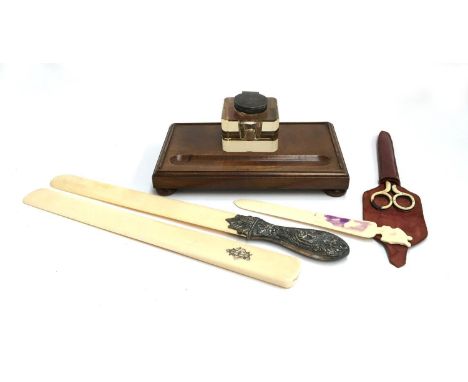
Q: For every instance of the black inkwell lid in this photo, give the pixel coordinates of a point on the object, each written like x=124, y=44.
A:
x=250, y=102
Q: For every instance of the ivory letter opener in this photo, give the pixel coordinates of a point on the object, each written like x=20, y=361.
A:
x=254, y=262
x=361, y=228
x=319, y=245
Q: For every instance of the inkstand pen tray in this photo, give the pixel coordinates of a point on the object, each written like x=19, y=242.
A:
x=308, y=157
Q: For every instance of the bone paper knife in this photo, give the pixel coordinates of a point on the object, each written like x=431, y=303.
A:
x=361, y=228
x=319, y=245
x=250, y=261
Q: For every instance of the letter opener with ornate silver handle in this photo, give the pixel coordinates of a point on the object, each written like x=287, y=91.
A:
x=316, y=244
x=361, y=228
x=248, y=260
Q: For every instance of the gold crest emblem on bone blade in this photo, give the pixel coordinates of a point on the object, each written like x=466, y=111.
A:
x=250, y=123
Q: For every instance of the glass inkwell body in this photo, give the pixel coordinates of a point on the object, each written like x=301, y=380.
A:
x=250, y=123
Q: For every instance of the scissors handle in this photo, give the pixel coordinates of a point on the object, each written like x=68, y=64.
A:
x=385, y=193
x=400, y=194
x=388, y=170
x=392, y=199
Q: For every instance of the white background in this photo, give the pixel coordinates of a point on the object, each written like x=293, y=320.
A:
x=79, y=304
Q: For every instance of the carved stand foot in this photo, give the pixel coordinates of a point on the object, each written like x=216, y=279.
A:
x=165, y=191
x=335, y=192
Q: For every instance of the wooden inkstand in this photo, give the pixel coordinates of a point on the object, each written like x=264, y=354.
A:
x=251, y=150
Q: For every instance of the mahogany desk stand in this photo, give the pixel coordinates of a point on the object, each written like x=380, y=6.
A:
x=308, y=158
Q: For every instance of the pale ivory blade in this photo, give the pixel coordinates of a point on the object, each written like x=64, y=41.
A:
x=144, y=202
x=361, y=228
x=250, y=261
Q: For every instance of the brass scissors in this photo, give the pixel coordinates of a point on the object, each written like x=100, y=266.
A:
x=392, y=200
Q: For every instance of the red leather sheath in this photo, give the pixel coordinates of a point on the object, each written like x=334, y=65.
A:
x=410, y=221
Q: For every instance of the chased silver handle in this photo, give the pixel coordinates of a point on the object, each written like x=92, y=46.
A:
x=318, y=245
